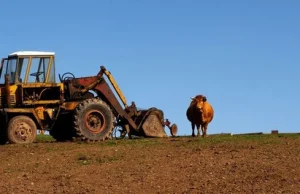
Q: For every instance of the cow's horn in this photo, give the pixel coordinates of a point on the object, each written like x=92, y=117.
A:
x=192, y=98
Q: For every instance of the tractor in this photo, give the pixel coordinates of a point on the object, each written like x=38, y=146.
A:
x=84, y=108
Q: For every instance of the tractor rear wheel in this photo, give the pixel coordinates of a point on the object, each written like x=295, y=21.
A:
x=21, y=129
x=93, y=120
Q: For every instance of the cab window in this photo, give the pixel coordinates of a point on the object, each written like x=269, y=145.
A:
x=3, y=71
x=22, y=67
x=38, y=69
x=52, y=73
x=11, y=69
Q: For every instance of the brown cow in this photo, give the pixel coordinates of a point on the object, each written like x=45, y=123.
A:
x=200, y=113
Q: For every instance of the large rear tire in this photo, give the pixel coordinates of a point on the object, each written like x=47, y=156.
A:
x=21, y=130
x=93, y=120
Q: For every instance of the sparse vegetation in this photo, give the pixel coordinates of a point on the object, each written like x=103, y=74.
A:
x=216, y=164
x=83, y=159
x=45, y=138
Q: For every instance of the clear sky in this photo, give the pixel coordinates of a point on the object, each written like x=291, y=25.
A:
x=243, y=55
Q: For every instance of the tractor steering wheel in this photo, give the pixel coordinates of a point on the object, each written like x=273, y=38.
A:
x=64, y=77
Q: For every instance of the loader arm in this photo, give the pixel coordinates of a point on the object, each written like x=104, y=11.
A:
x=104, y=89
x=115, y=85
x=100, y=86
x=142, y=123
x=151, y=120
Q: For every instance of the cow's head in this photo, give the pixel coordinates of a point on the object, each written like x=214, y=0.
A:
x=199, y=100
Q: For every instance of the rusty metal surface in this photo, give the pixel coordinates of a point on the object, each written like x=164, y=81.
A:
x=131, y=110
x=22, y=132
x=153, y=128
x=34, y=102
x=173, y=128
x=143, y=114
x=115, y=85
x=149, y=122
x=97, y=84
x=104, y=91
x=77, y=88
x=70, y=92
x=26, y=110
x=94, y=121
x=40, y=112
x=70, y=105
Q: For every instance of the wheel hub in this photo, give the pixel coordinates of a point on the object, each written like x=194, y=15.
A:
x=94, y=121
x=23, y=132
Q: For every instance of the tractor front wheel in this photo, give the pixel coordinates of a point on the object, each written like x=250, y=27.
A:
x=21, y=129
x=93, y=120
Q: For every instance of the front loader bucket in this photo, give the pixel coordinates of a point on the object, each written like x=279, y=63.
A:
x=152, y=123
x=153, y=128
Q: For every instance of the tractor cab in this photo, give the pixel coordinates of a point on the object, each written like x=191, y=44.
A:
x=29, y=77
x=28, y=67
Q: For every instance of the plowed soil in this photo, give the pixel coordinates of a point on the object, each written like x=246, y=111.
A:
x=217, y=164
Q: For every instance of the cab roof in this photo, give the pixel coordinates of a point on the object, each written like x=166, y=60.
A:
x=35, y=53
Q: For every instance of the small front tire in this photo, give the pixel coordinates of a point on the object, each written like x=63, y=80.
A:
x=21, y=129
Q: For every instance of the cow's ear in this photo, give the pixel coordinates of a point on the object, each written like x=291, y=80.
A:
x=204, y=99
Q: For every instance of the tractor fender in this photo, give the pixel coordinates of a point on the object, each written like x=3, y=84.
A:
x=11, y=112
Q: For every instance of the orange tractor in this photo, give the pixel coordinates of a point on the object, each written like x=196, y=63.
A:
x=84, y=108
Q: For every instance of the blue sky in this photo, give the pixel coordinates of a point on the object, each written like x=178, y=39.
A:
x=243, y=55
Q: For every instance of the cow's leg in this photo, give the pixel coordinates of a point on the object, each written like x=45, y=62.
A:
x=198, y=130
x=204, y=129
x=193, y=129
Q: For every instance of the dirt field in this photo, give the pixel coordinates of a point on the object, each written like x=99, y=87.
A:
x=232, y=164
